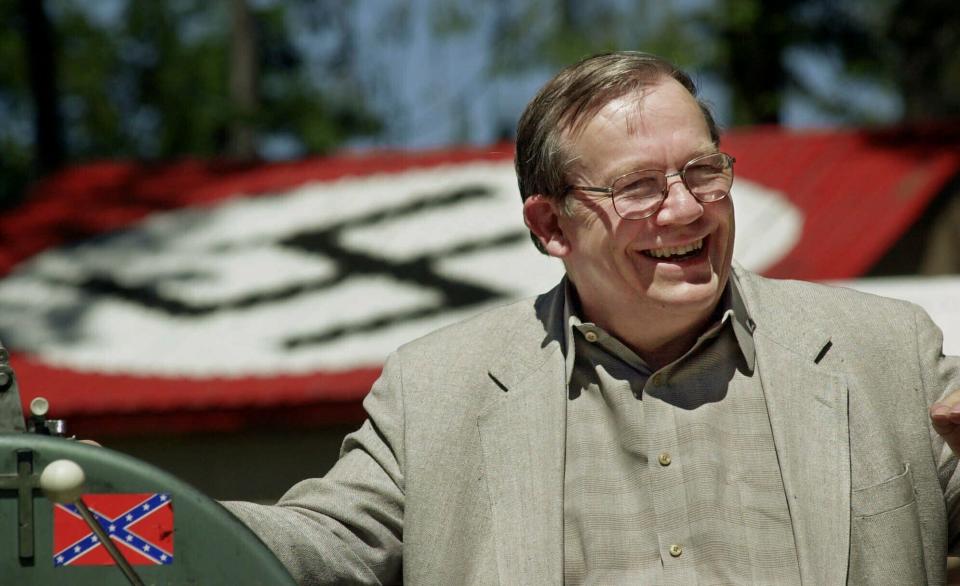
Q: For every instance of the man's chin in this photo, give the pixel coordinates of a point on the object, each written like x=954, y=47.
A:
x=687, y=296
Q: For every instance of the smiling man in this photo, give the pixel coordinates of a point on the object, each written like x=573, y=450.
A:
x=662, y=415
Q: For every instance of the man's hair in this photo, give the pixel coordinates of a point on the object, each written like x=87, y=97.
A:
x=570, y=99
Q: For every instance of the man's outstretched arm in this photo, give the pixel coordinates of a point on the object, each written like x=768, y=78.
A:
x=346, y=527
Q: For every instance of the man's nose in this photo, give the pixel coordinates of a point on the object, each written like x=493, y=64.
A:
x=679, y=206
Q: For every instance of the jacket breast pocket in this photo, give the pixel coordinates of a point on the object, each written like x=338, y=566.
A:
x=886, y=546
x=883, y=497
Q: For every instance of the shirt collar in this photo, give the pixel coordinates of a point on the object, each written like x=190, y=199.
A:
x=732, y=309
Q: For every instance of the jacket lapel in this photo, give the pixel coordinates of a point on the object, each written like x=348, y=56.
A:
x=806, y=395
x=522, y=438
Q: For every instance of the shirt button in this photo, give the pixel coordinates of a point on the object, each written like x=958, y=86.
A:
x=664, y=459
x=676, y=549
x=591, y=336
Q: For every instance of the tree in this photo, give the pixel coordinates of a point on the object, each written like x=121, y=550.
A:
x=161, y=80
x=923, y=41
x=905, y=48
x=243, y=81
x=41, y=55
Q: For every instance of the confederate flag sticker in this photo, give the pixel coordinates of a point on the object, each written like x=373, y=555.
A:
x=140, y=524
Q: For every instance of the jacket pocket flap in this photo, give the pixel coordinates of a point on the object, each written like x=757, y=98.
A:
x=888, y=495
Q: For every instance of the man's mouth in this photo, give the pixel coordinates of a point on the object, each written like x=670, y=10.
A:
x=675, y=253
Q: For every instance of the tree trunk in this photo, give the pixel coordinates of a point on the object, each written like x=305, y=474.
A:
x=755, y=43
x=41, y=65
x=242, y=141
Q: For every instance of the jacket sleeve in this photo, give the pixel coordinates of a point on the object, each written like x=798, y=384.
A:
x=941, y=376
x=347, y=527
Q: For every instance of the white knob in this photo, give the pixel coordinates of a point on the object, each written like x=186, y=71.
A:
x=62, y=481
x=39, y=406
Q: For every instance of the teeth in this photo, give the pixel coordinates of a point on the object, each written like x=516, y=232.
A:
x=668, y=251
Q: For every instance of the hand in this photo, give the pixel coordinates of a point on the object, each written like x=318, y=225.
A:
x=945, y=416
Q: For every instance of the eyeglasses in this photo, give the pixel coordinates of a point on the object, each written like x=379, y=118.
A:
x=639, y=194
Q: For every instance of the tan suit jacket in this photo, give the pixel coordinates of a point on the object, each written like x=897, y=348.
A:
x=457, y=475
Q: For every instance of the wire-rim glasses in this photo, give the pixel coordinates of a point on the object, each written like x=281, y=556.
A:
x=639, y=194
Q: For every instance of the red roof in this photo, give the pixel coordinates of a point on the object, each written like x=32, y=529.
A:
x=858, y=192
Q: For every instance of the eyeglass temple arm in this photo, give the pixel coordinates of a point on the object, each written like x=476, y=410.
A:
x=607, y=190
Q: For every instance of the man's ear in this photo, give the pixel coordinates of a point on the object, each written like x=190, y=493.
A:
x=542, y=216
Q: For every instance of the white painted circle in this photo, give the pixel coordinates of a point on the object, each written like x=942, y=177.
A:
x=249, y=301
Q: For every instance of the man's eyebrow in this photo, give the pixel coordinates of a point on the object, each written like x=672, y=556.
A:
x=710, y=149
x=645, y=165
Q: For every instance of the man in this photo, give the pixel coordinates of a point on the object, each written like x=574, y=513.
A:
x=661, y=416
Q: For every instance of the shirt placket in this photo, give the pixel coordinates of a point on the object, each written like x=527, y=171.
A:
x=667, y=487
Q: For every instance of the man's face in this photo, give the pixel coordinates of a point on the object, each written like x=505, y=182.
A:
x=621, y=265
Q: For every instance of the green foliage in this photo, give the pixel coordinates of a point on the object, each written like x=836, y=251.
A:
x=450, y=18
x=154, y=84
x=13, y=73
x=181, y=76
x=924, y=42
x=906, y=47
x=15, y=162
x=531, y=34
x=14, y=171
x=320, y=123
x=89, y=66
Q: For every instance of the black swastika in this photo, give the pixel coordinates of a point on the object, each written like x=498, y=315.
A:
x=327, y=242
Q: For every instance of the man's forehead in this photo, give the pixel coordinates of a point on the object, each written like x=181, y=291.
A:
x=630, y=102
x=628, y=112
x=605, y=114
x=627, y=109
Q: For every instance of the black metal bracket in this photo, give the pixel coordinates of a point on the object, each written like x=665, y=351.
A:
x=24, y=481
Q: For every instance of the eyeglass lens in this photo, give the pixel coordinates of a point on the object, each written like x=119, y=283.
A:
x=638, y=195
